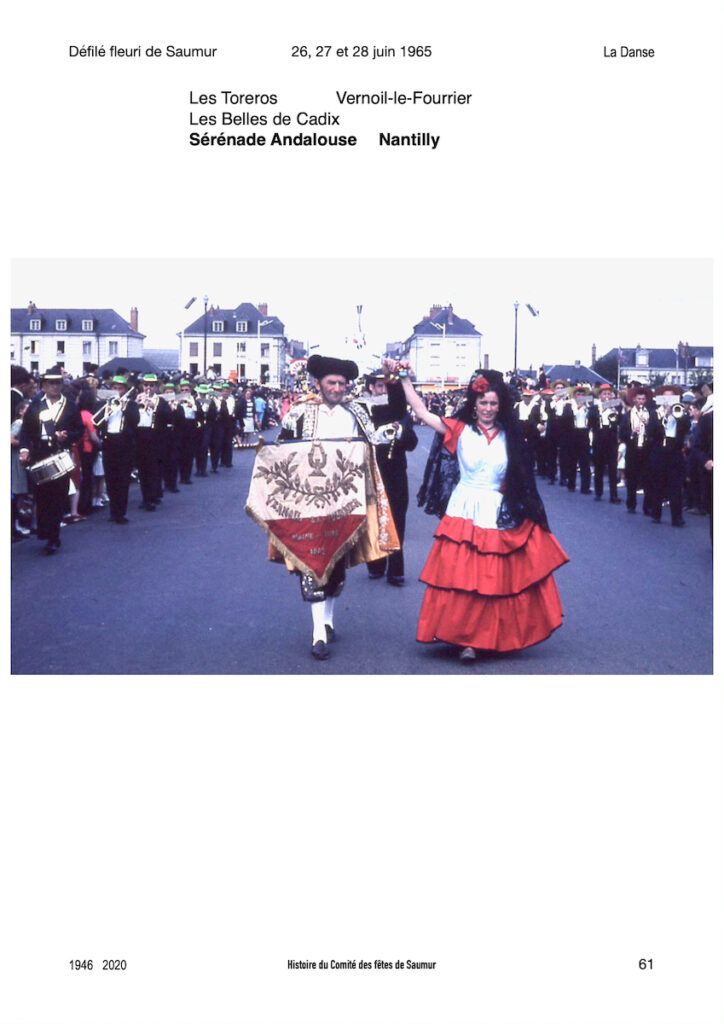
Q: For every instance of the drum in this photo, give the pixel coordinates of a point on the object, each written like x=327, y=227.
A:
x=51, y=468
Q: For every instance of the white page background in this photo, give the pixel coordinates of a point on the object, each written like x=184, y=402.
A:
x=534, y=837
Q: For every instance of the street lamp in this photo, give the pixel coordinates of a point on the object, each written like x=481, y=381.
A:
x=206, y=330
x=682, y=352
x=259, y=325
x=188, y=305
x=533, y=312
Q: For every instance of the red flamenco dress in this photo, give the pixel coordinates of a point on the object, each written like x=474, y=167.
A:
x=489, y=573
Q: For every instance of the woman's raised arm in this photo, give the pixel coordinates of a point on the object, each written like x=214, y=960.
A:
x=392, y=366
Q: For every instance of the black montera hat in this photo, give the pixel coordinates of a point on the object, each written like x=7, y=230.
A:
x=323, y=366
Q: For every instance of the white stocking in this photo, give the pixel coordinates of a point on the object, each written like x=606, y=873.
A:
x=318, y=618
x=329, y=611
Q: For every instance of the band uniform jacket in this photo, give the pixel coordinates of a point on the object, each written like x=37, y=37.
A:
x=625, y=434
x=34, y=438
x=657, y=433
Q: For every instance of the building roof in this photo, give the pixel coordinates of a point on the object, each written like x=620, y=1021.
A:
x=245, y=311
x=105, y=321
x=445, y=316
x=576, y=374
x=659, y=358
x=166, y=358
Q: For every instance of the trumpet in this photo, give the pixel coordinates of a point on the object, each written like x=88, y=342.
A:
x=113, y=405
x=677, y=410
x=147, y=402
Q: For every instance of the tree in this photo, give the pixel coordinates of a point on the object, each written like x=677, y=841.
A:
x=607, y=366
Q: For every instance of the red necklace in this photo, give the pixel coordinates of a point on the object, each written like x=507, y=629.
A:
x=489, y=435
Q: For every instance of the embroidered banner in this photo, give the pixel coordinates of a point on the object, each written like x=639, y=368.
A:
x=311, y=497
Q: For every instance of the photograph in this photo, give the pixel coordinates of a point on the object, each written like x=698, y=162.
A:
x=425, y=534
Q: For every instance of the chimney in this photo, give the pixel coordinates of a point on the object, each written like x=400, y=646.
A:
x=593, y=353
x=449, y=315
x=434, y=310
x=578, y=362
x=134, y=319
x=31, y=307
x=262, y=307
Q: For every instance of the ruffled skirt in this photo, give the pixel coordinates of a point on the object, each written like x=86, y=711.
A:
x=491, y=589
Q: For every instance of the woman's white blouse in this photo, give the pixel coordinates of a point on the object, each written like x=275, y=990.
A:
x=482, y=472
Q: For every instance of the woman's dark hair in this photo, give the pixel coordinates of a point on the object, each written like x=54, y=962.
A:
x=495, y=383
x=86, y=400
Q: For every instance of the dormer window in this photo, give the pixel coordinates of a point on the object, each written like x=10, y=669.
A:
x=642, y=358
x=217, y=326
x=87, y=325
x=242, y=326
x=35, y=325
x=61, y=325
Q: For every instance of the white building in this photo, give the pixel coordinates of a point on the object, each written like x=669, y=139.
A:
x=245, y=340
x=443, y=348
x=73, y=338
x=685, y=364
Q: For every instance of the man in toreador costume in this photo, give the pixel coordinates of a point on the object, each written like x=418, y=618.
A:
x=332, y=415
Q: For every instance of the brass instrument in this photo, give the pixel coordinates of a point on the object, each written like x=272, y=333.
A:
x=147, y=402
x=676, y=409
x=111, y=406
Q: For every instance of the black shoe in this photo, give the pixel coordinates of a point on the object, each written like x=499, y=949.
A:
x=49, y=549
x=331, y=634
x=202, y=474
x=214, y=471
x=320, y=651
x=655, y=521
x=148, y=507
x=120, y=520
x=375, y=575
x=632, y=511
x=679, y=522
x=615, y=501
x=396, y=581
x=586, y=492
x=598, y=497
x=173, y=490
x=187, y=483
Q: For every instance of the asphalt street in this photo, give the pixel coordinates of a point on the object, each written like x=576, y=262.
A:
x=188, y=590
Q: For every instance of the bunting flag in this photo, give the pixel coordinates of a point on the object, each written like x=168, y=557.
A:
x=311, y=497
x=534, y=312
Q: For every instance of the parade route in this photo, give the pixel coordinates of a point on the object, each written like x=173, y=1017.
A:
x=188, y=590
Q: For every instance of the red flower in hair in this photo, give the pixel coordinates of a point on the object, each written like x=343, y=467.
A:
x=481, y=385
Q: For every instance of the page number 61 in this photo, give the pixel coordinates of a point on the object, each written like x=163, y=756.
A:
x=646, y=965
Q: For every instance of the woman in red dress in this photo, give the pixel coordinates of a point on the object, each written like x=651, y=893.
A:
x=489, y=575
